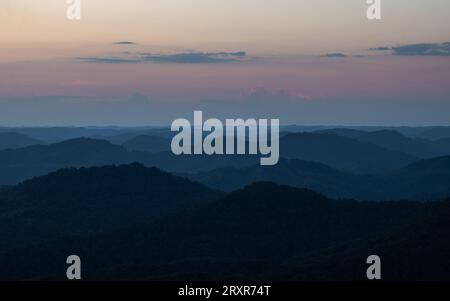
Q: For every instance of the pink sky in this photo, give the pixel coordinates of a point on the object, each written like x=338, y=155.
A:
x=314, y=77
x=186, y=52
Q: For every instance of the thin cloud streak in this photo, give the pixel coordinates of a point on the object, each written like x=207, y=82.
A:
x=177, y=58
x=420, y=49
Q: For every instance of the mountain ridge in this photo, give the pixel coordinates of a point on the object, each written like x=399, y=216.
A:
x=262, y=231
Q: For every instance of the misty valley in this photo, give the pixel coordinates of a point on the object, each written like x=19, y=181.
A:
x=132, y=210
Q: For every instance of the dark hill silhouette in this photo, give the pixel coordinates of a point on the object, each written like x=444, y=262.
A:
x=393, y=140
x=58, y=134
x=339, y=152
x=345, y=132
x=262, y=232
x=433, y=133
x=424, y=180
x=147, y=143
x=232, y=172
x=342, y=153
x=296, y=173
x=441, y=147
x=434, y=164
x=92, y=200
x=415, y=251
x=130, y=134
x=11, y=140
x=24, y=163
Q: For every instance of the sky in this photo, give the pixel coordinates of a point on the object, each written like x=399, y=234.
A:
x=143, y=62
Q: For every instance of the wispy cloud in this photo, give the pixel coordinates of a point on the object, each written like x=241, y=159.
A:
x=124, y=43
x=176, y=58
x=334, y=55
x=380, y=48
x=424, y=49
x=108, y=60
x=421, y=49
x=196, y=57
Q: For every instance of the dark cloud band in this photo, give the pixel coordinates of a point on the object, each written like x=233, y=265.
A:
x=178, y=58
x=422, y=49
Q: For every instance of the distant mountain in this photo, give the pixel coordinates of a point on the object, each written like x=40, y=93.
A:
x=342, y=153
x=58, y=134
x=425, y=180
x=130, y=134
x=147, y=143
x=118, y=135
x=433, y=133
x=87, y=201
x=24, y=163
x=21, y=164
x=345, y=132
x=12, y=140
x=442, y=147
x=231, y=172
x=393, y=140
x=430, y=165
x=427, y=132
x=261, y=232
x=296, y=173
